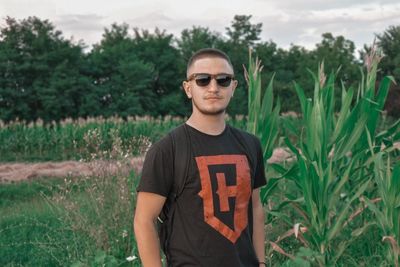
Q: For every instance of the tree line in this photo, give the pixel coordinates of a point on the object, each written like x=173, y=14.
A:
x=135, y=71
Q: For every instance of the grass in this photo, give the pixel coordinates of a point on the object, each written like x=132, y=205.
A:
x=37, y=230
x=27, y=225
x=341, y=167
x=27, y=191
x=34, y=233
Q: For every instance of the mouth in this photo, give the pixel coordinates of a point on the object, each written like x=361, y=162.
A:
x=213, y=98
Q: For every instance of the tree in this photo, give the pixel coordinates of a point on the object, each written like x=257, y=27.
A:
x=157, y=50
x=194, y=39
x=291, y=65
x=40, y=72
x=337, y=52
x=389, y=42
x=243, y=32
x=337, y=56
x=242, y=36
x=122, y=82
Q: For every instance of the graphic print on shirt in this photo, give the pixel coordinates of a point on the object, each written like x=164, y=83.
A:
x=225, y=191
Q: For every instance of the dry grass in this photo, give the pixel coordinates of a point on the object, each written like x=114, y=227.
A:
x=15, y=172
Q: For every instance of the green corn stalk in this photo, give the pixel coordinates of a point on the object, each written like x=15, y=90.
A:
x=332, y=169
x=387, y=211
x=263, y=118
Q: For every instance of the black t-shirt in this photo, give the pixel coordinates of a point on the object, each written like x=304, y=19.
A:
x=213, y=221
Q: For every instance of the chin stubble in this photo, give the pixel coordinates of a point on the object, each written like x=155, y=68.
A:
x=206, y=112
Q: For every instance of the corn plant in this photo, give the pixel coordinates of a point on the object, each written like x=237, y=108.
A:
x=65, y=140
x=387, y=209
x=263, y=119
x=330, y=173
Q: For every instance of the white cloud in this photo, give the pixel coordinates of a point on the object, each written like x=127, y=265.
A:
x=285, y=22
x=325, y=5
x=26, y=8
x=358, y=23
x=81, y=27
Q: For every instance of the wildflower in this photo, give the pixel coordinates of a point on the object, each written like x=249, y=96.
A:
x=124, y=233
x=131, y=258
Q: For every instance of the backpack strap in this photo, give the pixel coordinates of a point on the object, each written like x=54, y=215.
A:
x=182, y=152
x=247, y=144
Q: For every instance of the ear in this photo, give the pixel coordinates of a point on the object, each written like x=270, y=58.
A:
x=186, y=87
x=234, y=85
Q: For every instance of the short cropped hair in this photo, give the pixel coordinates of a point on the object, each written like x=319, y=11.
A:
x=207, y=52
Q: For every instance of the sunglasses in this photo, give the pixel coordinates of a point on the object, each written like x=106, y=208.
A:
x=204, y=79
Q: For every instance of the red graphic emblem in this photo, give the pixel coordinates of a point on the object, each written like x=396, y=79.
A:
x=241, y=192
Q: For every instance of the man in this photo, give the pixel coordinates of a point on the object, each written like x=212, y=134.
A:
x=218, y=219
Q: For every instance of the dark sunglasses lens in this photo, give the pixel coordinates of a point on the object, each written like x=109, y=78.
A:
x=224, y=80
x=203, y=80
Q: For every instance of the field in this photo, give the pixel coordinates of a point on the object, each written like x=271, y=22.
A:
x=85, y=219
x=332, y=199
x=77, y=212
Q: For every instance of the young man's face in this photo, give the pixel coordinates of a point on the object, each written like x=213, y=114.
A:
x=213, y=98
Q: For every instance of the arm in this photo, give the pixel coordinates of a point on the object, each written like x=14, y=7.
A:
x=258, y=226
x=148, y=207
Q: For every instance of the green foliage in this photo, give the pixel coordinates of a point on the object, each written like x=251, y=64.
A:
x=75, y=139
x=140, y=73
x=41, y=72
x=30, y=233
x=387, y=207
x=25, y=192
x=288, y=66
x=71, y=139
x=122, y=83
x=242, y=32
x=324, y=172
x=78, y=220
x=263, y=119
x=332, y=170
x=58, y=225
x=157, y=49
x=337, y=53
x=26, y=239
x=194, y=39
x=389, y=42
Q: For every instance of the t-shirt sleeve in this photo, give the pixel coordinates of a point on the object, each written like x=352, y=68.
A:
x=259, y=177
x=157, y=172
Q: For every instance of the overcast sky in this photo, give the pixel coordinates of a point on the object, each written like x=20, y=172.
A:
x=286, y=22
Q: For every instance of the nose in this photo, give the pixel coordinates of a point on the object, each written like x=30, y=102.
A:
x=213, y=86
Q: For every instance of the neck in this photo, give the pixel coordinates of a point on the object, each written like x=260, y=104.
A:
x=209, y=124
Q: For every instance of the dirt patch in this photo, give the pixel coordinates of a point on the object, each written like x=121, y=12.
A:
x=14, y=172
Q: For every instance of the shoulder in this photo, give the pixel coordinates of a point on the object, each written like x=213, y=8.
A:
x=178, y=131
x=166, y=143
x=248, y=137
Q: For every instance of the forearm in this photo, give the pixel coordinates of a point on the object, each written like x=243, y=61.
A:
x=148, y=244
x=259, y=233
